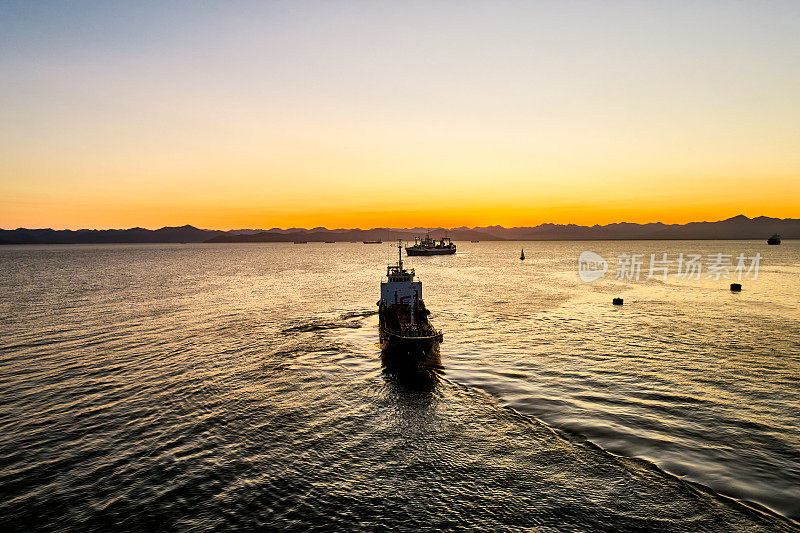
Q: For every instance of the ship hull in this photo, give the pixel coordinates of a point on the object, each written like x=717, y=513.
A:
x=430, y=251
x=393, y=326
x=397, y=340
x=418, y=369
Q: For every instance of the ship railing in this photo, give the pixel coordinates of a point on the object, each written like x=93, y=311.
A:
x=420, y=333
x=413, y=334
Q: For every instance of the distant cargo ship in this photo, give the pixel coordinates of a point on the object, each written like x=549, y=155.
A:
x=775, y=239
x=428, y=246
x=402, y=315
x=373, y=242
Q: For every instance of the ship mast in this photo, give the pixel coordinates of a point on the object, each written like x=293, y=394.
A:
x=400, y=253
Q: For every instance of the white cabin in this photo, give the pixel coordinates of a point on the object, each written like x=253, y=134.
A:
x=400, y=287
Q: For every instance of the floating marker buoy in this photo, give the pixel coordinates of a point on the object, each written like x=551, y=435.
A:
x=736, y=287
x=617, y=301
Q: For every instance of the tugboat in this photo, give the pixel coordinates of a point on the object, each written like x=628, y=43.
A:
x=775, y=239
x=428, y=246
x=402, y=315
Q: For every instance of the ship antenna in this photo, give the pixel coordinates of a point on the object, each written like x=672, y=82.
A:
x=400, y=252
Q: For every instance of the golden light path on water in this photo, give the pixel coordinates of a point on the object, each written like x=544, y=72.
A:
x=242, y=386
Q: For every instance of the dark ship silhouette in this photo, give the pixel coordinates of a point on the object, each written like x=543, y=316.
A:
x=402, y=315
x=775, y=239
x=428, y=246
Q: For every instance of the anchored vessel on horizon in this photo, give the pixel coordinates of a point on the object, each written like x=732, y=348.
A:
x=402, y=315
x=428, y=246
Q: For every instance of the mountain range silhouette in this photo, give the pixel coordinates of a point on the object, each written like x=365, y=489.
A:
x=738, y=227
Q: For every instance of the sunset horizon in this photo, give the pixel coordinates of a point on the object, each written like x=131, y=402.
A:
x=330, y=227
x=431, y=265
x=276, y=115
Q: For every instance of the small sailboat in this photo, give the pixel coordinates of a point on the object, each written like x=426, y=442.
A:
x=522, y=255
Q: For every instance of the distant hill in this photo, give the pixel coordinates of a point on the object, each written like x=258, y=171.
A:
x=355, y=235
x=738, y=227
x=93, y=236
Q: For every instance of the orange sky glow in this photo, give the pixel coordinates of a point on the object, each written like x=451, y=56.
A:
x=431, y=114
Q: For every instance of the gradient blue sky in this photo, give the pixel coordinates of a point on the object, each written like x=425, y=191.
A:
x=386, y=113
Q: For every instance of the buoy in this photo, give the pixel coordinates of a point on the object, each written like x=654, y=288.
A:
x=522, y=255
x=736, y=287
x=617, y=301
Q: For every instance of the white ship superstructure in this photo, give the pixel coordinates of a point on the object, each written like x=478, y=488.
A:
x=402, y=314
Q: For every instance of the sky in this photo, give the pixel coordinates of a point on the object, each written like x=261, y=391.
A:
x=366, y=114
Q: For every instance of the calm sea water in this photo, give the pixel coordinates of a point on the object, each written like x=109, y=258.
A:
x=198, y=387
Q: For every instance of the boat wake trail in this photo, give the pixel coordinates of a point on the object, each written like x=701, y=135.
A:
x=348, y=320
x=358, y=314
x=319, y=326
